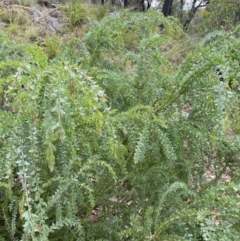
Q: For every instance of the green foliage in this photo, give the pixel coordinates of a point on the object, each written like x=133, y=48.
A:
x=126, y=59
x=221, y=14
x=53, y=140
x=80, y=13
x=173, y=144
x=107, y=140
x=53, y=47
x=194, y=222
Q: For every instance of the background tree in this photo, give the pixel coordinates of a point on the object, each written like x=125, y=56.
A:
x=181, y=7
x=167, y=6
x=191, y=13
x=221, y=14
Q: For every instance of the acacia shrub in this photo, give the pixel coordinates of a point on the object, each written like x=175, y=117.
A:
x=152, y=167
x=182, y=151
x=126, y=56
x=59, y=154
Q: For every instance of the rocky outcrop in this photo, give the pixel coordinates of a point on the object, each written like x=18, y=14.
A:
x=44, y=15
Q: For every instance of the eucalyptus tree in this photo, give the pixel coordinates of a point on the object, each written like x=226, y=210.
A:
x=181, y=6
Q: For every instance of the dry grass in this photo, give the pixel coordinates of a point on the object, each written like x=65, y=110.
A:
x=32, y=33
x=177, y=51
x=80, y=13
x=14, y=16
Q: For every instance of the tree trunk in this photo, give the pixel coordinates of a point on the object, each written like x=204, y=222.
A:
x=167, y=5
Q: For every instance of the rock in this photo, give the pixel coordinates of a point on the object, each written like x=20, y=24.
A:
x=3, y=24
x=54, y=14
x=46, y=4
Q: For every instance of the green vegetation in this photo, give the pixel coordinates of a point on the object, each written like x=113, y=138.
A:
x=119, y=128
x=80, y=13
